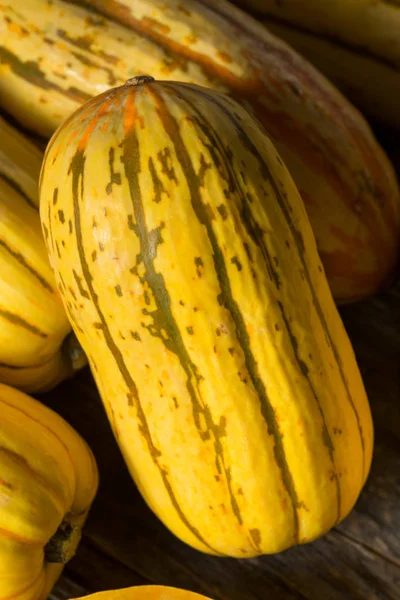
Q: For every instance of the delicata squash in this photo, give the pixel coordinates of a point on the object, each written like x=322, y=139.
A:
x=36, y=348
x=145, y=592
x=48, y=479
x=191, y=277
x=55, y=56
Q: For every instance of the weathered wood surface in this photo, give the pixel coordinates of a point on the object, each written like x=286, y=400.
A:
x=125, y=544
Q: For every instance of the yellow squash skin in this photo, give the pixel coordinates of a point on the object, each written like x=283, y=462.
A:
x=54, y=56
x=33, y=323
x=191, y=277
x=145, y=592
x=356, y=43
x=48, y=477
x=20, y=162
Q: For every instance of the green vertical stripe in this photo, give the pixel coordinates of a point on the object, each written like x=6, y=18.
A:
x=31, y=73
x=299, y=244
x=216, y=147
x=77, y=169
x=172, y=128
x=16, y=187
x=22, y=261
x=20, y=322
x=163, y=319
x=326, y=438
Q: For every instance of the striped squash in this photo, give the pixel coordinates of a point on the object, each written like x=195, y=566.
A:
x=54, y=56
x=145, y=592
x=33, y=323
x=48, y=479
x=356, y=44
x=190, y=274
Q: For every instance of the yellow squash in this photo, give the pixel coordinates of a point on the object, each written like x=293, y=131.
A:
x=33, y=323
x=54, y=56
x=48, y=479
x=20, y=162
x=356, y=43
x=192, y=280
x=145, y=592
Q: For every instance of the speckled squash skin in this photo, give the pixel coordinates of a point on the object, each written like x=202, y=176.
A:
x=191, y=277
x=54, y=56
x=48, y=479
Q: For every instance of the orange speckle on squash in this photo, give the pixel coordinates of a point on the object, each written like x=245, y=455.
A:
x=72, y=136
x=15, y=28
x=154, y=24
x=190, y=39
x=130, y=113
x=117, y=101
x=223, y=56
x=93, y=122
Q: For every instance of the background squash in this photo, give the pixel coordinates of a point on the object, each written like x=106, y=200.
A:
x=190, y=274
x=48, y=479
x=356, y=44
x=145, y=592
x=54, y=56
x=33, y=323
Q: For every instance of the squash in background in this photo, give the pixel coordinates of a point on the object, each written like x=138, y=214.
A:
x=355, y=43
x=33, y=323
x=191, y=278
x=20, y=162
x=48, y=479
x=145, y=592
x=54, y=56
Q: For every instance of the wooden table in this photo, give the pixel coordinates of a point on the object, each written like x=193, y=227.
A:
x=125, y=544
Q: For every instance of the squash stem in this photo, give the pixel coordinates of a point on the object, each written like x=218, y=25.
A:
x=62, y=546
x=74, y=352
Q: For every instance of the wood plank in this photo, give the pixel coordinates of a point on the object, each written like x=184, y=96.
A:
x=67, y=588
x=91, y=570
x=360, y=559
